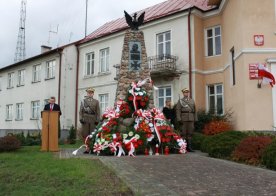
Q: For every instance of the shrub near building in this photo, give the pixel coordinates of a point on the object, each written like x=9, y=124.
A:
x=250, y=149
x=223, y=144
x=269, y=156
x=9, y=143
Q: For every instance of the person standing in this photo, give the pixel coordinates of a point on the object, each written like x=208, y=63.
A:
x=89, y=114
x=168, y=111
x=186, y=116
x=52, y=106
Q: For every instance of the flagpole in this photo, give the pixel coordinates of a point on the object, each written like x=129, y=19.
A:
x=86, y=18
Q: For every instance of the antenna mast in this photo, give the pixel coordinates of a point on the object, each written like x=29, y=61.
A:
x=20, y=53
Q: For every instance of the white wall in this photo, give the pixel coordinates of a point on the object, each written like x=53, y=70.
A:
x=106, y=84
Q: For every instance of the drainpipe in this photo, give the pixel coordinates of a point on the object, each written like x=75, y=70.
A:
x=59, y=75
x=190, y=55
x=77, y=85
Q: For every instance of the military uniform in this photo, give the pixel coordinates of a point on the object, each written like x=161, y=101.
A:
x=186, y=116
x=89, y=114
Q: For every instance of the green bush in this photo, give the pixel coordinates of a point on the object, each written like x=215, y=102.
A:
x=197, y=140
x=223, y=144
x=72, y=135
x=9, y=143
x=269, y=156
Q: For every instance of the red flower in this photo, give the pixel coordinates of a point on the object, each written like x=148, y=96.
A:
x=130, y=98
x=140, y=142
x=138, y=98
x=143, y=103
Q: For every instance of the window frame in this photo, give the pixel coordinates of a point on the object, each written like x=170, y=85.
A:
x=104, y=67
x=9, y=109
x=36, y=73
x=164, y=54
x=215, y=97
x=35, y=109
x=213, y=41
x=10, y=80
x=91, y=65
x=21, y=77
x=19, y=111
x=105, y=102
x=165, y=96
x=50, y=69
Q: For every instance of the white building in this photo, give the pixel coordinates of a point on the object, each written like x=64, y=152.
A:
x=26, y=86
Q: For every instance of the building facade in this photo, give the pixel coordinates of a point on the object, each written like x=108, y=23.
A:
x=26, y=87
x=211, y=47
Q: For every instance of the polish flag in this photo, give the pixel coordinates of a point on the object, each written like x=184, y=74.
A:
x=267, y=77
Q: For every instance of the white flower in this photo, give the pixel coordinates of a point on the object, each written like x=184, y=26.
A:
x=150, y=125
x=124, y=136
x=130, y=91
x=130, y=133
x=137, y=89
x=102, y=140
x=137, y=136
x=140, y=93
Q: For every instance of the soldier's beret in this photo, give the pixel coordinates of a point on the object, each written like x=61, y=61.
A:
x=185, y=90
x=90, y=89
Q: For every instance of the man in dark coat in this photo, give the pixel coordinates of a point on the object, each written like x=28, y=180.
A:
x=52, y=106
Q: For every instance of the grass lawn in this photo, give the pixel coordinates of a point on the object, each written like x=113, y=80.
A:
x=31, y=172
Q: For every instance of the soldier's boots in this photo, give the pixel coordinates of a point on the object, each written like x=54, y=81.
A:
x=189, y=145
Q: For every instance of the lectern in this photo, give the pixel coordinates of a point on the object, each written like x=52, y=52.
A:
x=50, y=131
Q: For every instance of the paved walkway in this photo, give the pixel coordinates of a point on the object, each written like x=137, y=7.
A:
x=188, y=174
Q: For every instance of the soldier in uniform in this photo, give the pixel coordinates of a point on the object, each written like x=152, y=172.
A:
x=89, y=113
x=186, y=116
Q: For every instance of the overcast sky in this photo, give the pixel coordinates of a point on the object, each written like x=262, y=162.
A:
x=45, y=15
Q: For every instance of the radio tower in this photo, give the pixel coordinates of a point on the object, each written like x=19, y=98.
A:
x=20, y=53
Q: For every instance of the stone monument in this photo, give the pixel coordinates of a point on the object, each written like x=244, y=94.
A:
x=134, y=64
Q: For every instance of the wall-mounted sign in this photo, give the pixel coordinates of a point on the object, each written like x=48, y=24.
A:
x=253, y=71
x=259, y=40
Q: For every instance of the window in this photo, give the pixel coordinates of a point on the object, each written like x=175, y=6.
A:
x=89, y=64
x=10, y=80
x=103, y=99
x=21, y=77
x=9, y=112
x=164, y=93
x=37, y=73
x=19, y=111
x=35, y=109
x=213, y=41
x=163, y=44
x=232, y=51
x=50, y=69
x=215, y=99
x=104, y=60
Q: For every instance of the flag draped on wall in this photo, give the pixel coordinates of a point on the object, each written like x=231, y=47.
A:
x=265, y=75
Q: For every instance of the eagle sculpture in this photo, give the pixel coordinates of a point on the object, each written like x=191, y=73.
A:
x=134, y=23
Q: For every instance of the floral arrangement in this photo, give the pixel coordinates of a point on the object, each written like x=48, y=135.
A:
x=137, y=96
x=149, y=127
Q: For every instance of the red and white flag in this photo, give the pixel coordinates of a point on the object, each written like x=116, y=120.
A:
x=265, y=75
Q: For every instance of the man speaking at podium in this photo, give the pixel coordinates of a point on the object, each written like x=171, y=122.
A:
x=52, y=106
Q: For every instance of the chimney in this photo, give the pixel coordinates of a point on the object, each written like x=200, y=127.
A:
x=45, y=48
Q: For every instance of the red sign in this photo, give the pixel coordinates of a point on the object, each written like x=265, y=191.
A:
x=259, y=40
x=253, y=71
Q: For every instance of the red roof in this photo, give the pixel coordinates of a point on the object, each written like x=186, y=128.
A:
x=152, y=13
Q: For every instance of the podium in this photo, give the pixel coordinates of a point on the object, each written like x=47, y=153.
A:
x=49, y=134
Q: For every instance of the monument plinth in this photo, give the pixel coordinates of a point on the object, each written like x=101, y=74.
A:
x=133, y=65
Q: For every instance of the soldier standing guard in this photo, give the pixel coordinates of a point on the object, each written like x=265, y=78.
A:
x=186, y=116
x=89, y=113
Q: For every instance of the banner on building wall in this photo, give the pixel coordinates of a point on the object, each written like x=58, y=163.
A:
x=253, y=71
